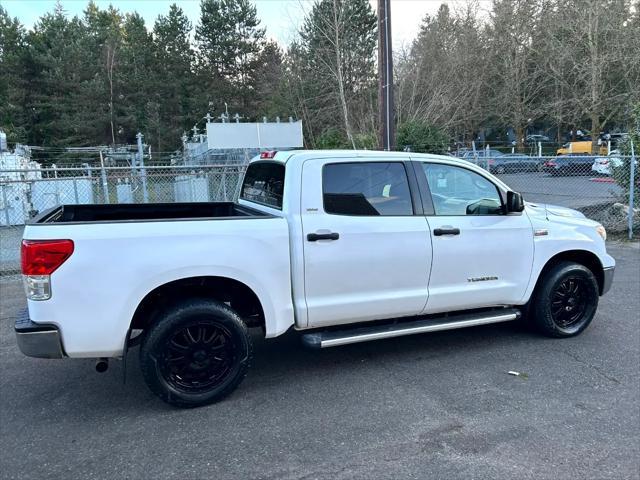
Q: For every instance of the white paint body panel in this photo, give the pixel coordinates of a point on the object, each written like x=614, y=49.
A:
x=380, y=267
x=115, y=265
x=499, y=246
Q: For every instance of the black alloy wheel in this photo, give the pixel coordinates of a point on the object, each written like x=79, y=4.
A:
x=198, y=357
x=195, y=353
x=565, y=300
x=568, y=302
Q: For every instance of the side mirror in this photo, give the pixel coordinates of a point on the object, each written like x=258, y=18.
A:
x=515, y=203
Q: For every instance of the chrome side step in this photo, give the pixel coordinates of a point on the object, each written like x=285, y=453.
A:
x=402, y=328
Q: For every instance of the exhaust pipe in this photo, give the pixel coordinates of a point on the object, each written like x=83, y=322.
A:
x=102, y=364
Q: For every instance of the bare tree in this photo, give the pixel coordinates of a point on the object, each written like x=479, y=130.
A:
x=591, y=48
x=518, y=81
x=442, y=77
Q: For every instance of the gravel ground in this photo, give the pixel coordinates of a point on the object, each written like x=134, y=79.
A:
x=431, y=406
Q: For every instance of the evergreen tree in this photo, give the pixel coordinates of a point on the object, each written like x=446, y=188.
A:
x=12, y=81
x=55, y=62
x=270, y=87
x=174, y=82
x=229, y=42
x=137, y=69
x=102, y=47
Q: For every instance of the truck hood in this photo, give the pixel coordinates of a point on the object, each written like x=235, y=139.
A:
x=542, y=210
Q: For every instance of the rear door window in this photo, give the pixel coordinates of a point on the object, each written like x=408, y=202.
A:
x=366, y=189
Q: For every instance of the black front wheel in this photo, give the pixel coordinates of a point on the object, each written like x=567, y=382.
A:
x=566, y=300
x=196, y=354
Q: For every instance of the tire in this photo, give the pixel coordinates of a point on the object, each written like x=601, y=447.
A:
x=565, y=301
x=196, y=353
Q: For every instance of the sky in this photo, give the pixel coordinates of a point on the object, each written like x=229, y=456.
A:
x=280, y=17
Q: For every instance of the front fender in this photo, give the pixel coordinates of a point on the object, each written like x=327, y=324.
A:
x=569, y=239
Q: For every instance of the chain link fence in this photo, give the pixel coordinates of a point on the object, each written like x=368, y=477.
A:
x=598, y=186
x=26, y=193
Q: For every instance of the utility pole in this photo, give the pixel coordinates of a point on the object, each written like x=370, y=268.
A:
x=386, y=134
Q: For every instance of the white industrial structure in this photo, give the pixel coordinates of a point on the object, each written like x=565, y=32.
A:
x=233, y=142
x=24, y=191
x=16, y=169
x=280, y=135
x=27, y=188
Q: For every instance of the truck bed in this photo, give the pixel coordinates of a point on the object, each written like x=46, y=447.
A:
x=139, y=212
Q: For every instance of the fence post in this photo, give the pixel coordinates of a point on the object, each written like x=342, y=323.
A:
x=6, y=205
x=475, y=154
x=143, y=172
x=105, y=184
x=486, y=157
x=632, y=171
x=75, y=190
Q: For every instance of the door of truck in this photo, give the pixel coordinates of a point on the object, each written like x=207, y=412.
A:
x=367, y=250
x=481, y=255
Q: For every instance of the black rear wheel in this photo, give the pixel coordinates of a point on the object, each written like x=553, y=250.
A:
x=196, y=354
x=566, y=300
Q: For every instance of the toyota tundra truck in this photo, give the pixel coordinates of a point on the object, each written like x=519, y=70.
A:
x=341, y=246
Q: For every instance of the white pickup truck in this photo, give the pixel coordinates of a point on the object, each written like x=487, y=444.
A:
x=342, y=246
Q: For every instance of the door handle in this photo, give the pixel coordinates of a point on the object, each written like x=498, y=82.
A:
x=446, y=231
x=314, y=237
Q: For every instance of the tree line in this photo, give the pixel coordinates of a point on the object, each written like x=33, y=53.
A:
x=543, y=65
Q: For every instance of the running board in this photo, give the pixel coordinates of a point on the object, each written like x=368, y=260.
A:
x=402, y=328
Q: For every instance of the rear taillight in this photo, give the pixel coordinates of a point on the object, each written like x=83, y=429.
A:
x=43, y=257
x=550, y=164
x=491, y=162
x=39, y=259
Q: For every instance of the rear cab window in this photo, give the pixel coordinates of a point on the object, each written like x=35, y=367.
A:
x=264, y=184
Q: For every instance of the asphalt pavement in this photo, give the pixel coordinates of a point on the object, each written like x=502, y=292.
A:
x=433, y=406
x=573, y=191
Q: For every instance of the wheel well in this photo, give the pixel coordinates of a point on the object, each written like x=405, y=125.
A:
x=583, y=257
x=236, y=294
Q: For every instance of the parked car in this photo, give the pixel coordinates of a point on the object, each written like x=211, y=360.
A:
x=570, y=165
x=537, y=138
x=340, y=246
x=514, y=163
x=602, y=165
x=482, y=154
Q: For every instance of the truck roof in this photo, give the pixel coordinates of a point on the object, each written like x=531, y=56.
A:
x=301, y=155
x=298, y=155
